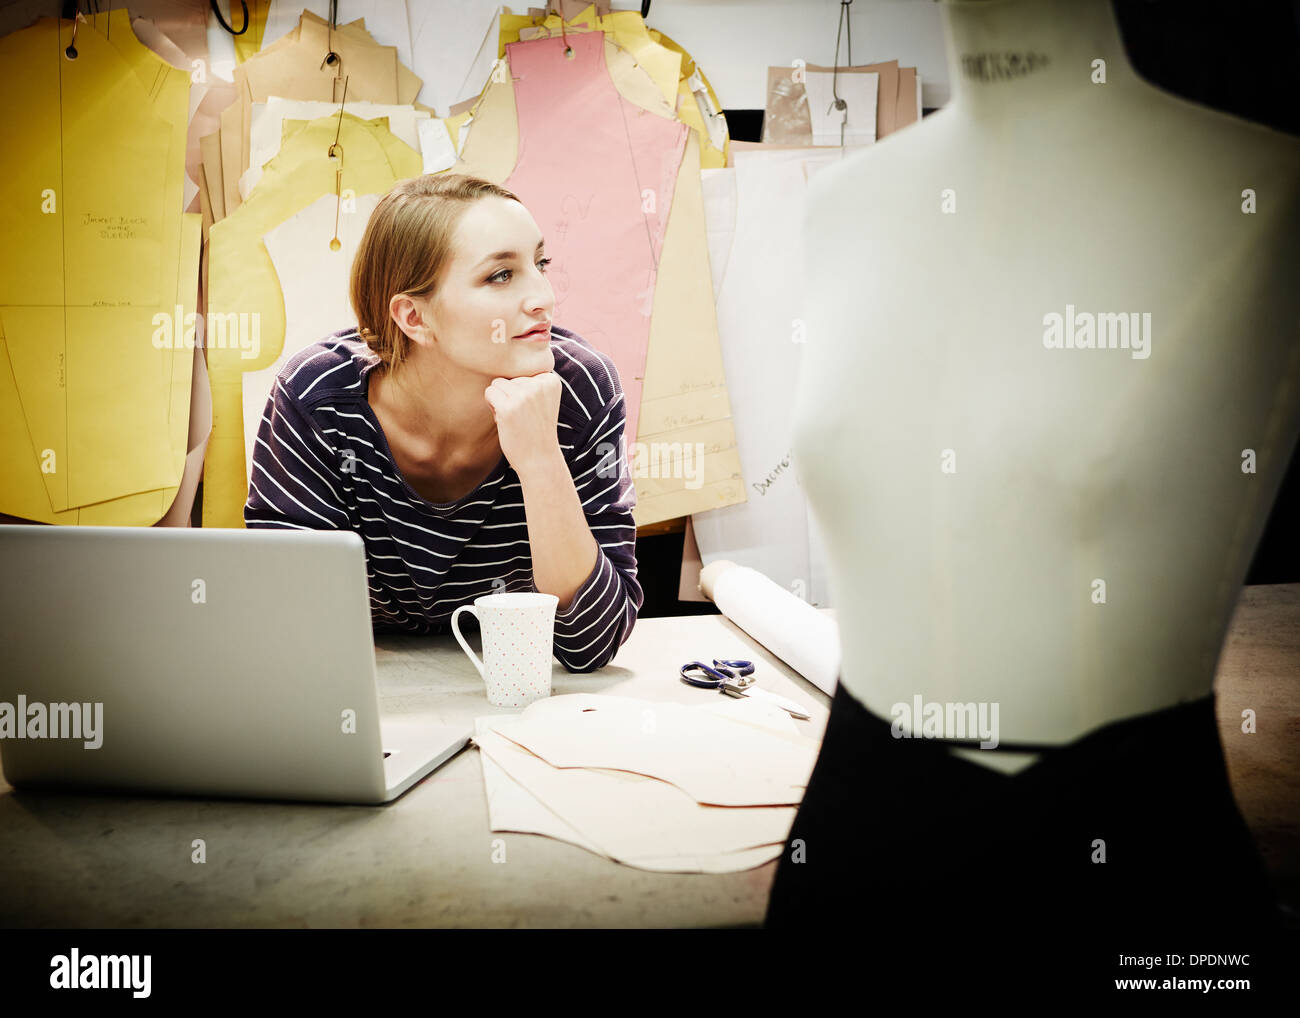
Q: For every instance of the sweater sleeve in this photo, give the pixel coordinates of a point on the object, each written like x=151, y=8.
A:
x=604, y=609
x=293, y=485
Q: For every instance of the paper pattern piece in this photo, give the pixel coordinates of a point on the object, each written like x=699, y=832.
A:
x=266, y=129
x=858, y=92
x=97, y=413
x=103, y=243
x=598, y=174
x=292, y=68
x=909, y=96
x=244, y=288
x=654, y=52
x=759, y=318
x=719, y=191
x=634, y=819
x=788, y=118
x=695, y=97
x=385, y=20
x=187, y=20
x=684, y=400
x=453, y=48
x=250, y=41
x=685, y=404
x=714, y=762
x=440, y=42
x=314, y=282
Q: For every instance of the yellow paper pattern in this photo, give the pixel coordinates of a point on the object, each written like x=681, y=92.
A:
x=87, y=395
x=684, y=401
x=243, y=282
x=82, y=138
x=21, y=482
x=247, y=43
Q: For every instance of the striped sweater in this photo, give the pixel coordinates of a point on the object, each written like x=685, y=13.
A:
x=423, y=560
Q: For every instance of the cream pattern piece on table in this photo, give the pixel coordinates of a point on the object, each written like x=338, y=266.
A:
x=631, y=818
x=716, y=762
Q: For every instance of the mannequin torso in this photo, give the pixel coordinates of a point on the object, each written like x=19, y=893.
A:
x=977, y=480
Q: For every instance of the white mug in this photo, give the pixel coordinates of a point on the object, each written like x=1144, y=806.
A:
x=517, y=632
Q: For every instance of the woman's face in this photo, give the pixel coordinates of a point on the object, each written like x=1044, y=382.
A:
x=494, y=289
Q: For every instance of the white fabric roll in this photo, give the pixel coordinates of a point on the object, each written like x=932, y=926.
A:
x=806, y=639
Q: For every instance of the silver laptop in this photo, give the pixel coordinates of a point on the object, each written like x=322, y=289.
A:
x=234, y=663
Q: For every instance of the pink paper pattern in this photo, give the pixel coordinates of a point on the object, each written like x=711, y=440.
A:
x=597, y=173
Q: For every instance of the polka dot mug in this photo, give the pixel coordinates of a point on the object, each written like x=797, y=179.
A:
x=517, y=632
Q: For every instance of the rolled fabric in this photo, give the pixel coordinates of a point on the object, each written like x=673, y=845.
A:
x=803, y=637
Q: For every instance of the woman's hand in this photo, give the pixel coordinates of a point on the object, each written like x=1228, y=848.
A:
x=527, y=411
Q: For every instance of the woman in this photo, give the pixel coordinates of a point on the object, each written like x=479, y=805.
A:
x=474, y=446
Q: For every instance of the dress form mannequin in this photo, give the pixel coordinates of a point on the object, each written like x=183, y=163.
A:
x=935, y=263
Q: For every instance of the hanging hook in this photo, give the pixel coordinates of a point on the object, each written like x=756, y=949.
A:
x=71, y=51
x=222, y=21
x=837, y=103
x=331, y=57
x=335, y=243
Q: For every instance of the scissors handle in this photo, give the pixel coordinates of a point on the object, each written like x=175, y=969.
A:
x=709, y=678
x=723, y=675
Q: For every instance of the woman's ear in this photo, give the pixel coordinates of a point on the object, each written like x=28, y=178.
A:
x=407, y=316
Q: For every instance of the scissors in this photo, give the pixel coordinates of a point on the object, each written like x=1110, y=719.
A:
x=735, y=678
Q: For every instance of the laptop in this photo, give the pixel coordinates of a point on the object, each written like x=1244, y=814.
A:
x=228, y=663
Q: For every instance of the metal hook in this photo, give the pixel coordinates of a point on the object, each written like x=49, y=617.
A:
x=71, y=51
x=335, y=243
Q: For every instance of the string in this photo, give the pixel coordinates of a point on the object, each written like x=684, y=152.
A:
x=335, y=243
x=837, y=103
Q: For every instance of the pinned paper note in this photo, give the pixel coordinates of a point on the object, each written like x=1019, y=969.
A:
x=436, y=147
x=842, y=107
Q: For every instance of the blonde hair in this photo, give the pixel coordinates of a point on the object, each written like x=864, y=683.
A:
x=406, y=245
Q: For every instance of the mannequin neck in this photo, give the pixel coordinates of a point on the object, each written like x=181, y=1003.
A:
x=1014, y=56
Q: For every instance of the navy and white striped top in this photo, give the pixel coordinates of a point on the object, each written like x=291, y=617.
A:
x=424, y=559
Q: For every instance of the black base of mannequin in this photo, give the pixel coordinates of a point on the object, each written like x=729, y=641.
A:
x=903, y=837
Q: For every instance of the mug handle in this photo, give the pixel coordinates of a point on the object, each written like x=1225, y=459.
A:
x=455, y=628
